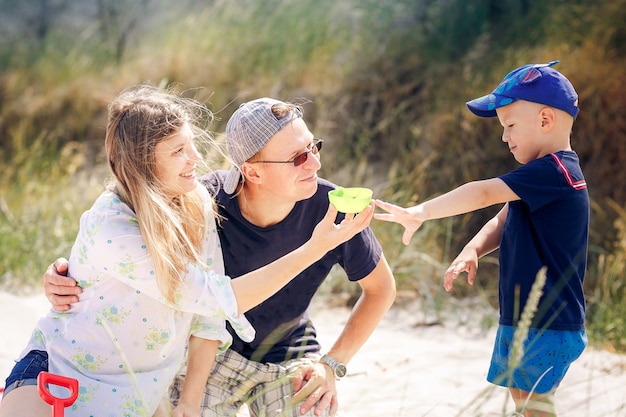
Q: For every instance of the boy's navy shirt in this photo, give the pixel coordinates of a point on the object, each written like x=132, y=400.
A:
x=283, y=328
x=548, y=226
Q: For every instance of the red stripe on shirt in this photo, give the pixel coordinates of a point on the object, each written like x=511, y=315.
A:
x=577, y=185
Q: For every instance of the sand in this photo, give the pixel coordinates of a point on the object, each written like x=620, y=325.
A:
x=405, y=368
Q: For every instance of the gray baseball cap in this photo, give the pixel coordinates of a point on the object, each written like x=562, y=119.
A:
x=248, y=130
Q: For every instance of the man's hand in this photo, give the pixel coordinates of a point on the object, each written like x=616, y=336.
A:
x=316, y=386
x=60, y=290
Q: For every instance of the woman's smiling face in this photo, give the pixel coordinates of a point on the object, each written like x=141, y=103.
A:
x=176, y=158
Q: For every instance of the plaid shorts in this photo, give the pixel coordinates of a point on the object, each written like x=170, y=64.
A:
x=266, y=388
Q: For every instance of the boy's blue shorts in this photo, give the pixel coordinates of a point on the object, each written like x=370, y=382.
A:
x=25, y=371
x=547, y=357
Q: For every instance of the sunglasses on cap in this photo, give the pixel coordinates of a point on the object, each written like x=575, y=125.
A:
x=299, y=159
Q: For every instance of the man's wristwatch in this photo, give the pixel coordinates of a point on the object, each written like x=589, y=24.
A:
x=338, y=368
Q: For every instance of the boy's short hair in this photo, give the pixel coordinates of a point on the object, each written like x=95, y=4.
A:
x=537, y=83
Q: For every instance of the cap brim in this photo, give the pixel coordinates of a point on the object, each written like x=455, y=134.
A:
x=486, y=106
x=482, y=107
x=232, y=180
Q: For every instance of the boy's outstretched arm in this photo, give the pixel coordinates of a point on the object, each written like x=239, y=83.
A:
x=468, y=197
x=485, y=241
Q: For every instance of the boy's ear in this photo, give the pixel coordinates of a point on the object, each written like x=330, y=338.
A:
x=548, y=119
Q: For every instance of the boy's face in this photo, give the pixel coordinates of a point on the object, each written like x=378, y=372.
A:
x=522, y=123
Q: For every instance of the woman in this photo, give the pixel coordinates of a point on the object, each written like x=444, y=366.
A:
x=148, y=259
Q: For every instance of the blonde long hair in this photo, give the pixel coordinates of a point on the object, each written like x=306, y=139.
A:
x=173, y=229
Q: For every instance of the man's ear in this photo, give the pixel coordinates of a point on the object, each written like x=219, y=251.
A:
x=251, y=173
x=548, y=119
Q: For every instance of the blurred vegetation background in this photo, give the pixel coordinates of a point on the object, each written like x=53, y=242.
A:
x=386, y=85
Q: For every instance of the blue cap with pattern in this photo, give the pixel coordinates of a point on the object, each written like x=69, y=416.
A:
x=538, y=83
x=248, y=130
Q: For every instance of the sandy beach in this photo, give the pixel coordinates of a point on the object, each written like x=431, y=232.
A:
x=406, y=369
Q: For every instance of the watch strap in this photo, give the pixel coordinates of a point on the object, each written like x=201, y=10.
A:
x=338, y=368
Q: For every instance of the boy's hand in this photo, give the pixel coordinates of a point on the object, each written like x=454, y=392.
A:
x=60, y=290
x=410, y=218
x=466, y=261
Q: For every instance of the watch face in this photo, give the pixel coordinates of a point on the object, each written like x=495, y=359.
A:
x=339, y=369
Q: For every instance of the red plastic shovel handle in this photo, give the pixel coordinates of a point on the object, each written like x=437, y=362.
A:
x=58, y=404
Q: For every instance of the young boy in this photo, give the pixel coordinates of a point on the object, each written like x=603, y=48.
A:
x=544, y=222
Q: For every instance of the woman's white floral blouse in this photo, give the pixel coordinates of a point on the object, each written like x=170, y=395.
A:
x=122, y=340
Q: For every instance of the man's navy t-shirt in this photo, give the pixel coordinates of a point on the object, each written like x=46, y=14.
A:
x=283, y=328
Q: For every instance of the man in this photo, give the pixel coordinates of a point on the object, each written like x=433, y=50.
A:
x=270, y=201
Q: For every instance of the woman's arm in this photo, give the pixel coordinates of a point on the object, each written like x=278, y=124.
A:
x=200, y=359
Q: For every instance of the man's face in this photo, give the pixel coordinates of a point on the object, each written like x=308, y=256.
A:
x=284, y=181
